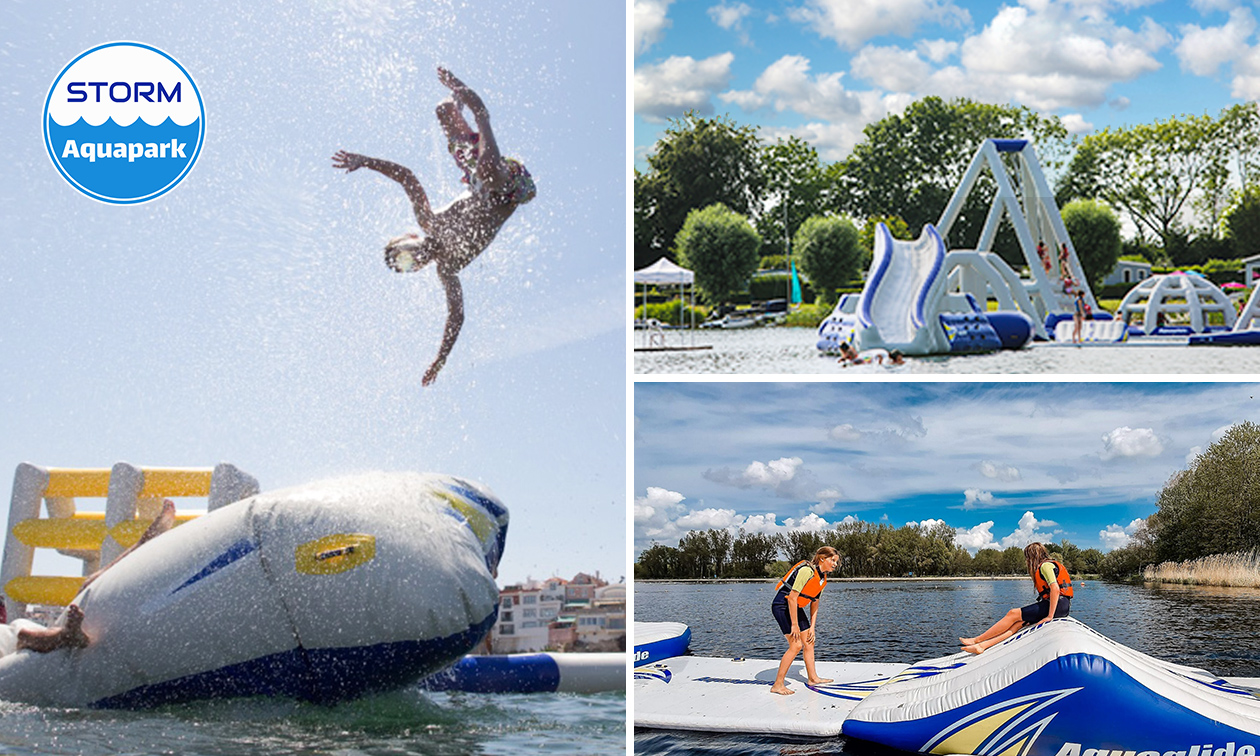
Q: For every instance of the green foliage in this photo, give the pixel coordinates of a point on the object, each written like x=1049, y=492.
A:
x=673, y=312
x=795, y=176
x=773, y=262
x=1242, y=222
x=828, y=250
x=721, y=248
x=808, y=315
x=896, y=226
x=776, y=286
x=697, y=163
x=1212, y=507
x=1095, y=233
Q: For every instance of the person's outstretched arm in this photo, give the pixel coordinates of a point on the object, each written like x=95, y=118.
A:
x=454, y=322
x=489, y=161
x=350, y=162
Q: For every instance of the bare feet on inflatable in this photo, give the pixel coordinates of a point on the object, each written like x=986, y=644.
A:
x=72, y=632
x=162, y=523
x=821, y=681
x=782, y=690
x=967, y=641
x=45, y=640
x=973, y=648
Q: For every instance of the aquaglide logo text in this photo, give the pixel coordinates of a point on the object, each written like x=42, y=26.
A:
x=124, y=123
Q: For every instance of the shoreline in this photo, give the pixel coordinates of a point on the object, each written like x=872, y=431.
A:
x=845, y=579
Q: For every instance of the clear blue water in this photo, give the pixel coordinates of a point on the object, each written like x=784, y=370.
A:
x=794, y=351
x=406, y=722
x=907, y=621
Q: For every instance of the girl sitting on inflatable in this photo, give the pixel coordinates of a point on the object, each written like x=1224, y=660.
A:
x=1054, y=599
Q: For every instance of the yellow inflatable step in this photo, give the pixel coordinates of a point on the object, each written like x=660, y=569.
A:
x=48, y=591
x=85, y=531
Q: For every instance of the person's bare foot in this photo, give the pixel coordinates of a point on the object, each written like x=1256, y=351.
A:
x=974, y=648
x=821, y=681
x=72, y=632
x=162, y=523
x=782, y=690
x=966, y=641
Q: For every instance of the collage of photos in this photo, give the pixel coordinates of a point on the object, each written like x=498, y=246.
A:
x=946, y=350
x=660, y=377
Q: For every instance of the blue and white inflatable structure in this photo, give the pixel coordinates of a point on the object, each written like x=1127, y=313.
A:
x=654, y=641
x=323, y=592
x=542, y=672
x=1054, y=689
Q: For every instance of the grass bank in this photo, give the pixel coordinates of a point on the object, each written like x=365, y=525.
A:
x=1240, y=570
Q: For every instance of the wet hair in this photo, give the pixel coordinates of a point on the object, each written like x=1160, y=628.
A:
x=420, y=249
x=1034, y=555
x=826, y=552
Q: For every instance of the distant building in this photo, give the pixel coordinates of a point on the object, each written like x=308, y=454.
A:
x=584, y=613
x=1128, y=271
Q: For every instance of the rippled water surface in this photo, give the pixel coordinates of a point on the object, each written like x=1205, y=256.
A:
x=907, y=621
x=793, y=350
x=408, y=722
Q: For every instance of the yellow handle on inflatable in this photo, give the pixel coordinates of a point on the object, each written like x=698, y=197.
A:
x=83, y=532
x=47, y=591
x=334, y=553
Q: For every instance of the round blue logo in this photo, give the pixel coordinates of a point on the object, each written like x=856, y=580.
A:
x=124, y=123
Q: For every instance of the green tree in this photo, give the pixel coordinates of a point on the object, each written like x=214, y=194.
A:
x=694, y=556
x=751, y=552
x=1013, y=561
x=801, y=545
x=721, y=248
x=795, y=178
x=697, y=163
x=657, y=562
x=1095, y=233
x=720, y=547
x=1213, y=506
x=829, y=250
x=1242, y=222
x=1090, y=562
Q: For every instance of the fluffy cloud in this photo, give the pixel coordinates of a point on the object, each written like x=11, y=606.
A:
x=787, y=85
x=1131, y=442
x=731, y=18
x=678, y=84
x=981, y=536
x=1117, y=536
x=1203, y=51
x=976, y=538
x=649, y=23
x=654, y=514
x=852, y=22
x=786, y=477
x=998, y=471
x=845, y=432
x=891, y=68
x=1075, y=123
x=974, y=498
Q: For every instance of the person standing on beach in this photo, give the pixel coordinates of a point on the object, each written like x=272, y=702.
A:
x=799, y=590
x=1054, y=599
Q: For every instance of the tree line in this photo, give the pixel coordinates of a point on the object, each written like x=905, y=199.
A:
x=717, y=198
x=1211, y=507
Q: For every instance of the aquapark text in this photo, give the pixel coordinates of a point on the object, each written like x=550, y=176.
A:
x=131, y=151
x=1074, y=749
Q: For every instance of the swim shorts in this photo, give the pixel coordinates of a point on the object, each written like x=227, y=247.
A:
x=780, y=609
x=1040, y=610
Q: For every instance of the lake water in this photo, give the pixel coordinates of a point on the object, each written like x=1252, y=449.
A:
x=406, y=722
x=908, y=621
x=793, y=350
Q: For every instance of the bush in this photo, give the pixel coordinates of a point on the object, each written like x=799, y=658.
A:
x=809, y=315
x=776, y=286
x=720, y=246
x=1095, y=233
x=672, y=313
x=829, y=251
x=773, y=262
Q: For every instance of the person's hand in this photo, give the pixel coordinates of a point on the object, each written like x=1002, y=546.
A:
x=348, y=161
x=448, y=79
x=809, y=636
x=430, y=375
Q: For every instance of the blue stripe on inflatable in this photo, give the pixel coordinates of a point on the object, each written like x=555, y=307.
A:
x=648, y=653
x=518, y=673
x=238, y=550
x=490, y=505
x=324, y=676
x=1069, y=707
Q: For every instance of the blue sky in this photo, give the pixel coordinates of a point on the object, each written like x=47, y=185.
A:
x=1001, y=463
x=823, y=69
x=247, y=315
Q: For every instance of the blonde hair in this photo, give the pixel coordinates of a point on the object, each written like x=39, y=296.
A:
x=826, y=552
x=1034, y=555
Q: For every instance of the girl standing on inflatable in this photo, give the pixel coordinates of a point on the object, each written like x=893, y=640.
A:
x=1054, y=599
x=799, y=590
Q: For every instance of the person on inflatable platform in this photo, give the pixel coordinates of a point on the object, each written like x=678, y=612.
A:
x=23, y=634
x=1054, y=599
x=456, y=234
x=800, y=589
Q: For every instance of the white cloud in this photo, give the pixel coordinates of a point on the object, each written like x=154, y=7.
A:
x=655, y=514
x=1203, y=51
x=1075, y=123
x=678, y=84
x=709, y=519
x=891, y=68
x=925, y=525
x=731, y=17
x=998, y=471
x=1131, y=442
x=1117, y=536
x=827, y=500
x=852, y=22
x=1029, y=530
x=974, y=539
x=649, y=23
x=845, y=432
x=974, y=498
x=936, y=50
x=1194, y=452
x=1209, y=6
x=1246, y=82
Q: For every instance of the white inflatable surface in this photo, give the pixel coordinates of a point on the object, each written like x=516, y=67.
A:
x=1059, y=689
x=724, y=695
x=895, y=301
x=655, y=641
x=321, y=592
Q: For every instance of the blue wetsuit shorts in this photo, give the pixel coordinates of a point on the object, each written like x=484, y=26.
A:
x=1040, y=610
x=780, y=608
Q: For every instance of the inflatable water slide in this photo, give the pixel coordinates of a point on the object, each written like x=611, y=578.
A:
x=1054, y=689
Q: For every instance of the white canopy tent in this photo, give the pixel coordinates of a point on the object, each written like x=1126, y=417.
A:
x=665, y=272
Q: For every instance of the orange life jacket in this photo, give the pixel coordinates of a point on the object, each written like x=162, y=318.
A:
x=1043, y=588
x=811, y=590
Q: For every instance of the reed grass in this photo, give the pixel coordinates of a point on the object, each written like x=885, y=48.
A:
x=1237, y=570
